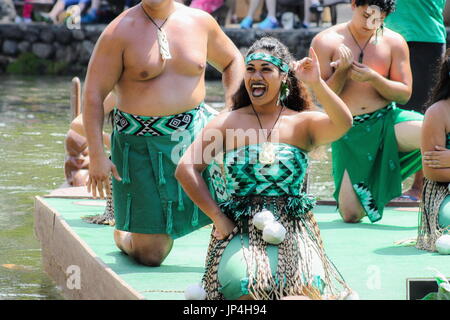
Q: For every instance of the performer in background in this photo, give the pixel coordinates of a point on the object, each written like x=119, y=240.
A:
x=367, y=65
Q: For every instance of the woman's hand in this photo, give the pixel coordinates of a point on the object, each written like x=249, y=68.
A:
x=437, y=159
x=224, y=227
x=308, y=69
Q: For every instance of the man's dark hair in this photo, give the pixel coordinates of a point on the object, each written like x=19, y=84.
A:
x=386, y=6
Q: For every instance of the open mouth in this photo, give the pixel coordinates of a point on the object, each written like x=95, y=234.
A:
x=258, y=90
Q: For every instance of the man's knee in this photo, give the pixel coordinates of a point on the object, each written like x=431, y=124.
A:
x=408, y=135
x=351, y=214
x=149, y=258
x=152, y=252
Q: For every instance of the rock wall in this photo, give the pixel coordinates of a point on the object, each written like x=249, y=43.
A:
x=53, y=43
x=73, y=48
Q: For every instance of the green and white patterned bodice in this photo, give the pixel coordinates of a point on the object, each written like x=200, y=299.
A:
x=243, y=175
x=242, y=179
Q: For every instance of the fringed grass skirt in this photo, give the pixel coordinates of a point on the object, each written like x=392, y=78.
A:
x=430, y=226
x=244, y=264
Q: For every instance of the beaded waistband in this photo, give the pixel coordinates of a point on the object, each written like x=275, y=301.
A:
x=127, y=123
x=376, y=114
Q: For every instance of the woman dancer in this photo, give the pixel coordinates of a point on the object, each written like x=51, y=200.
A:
x=435, y=206
x=258, y=180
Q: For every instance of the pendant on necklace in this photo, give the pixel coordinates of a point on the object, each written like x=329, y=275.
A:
x=267, y=154
x=361, y=57
x=163, y=45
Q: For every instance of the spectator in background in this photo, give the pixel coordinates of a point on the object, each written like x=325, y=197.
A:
x=421, y=23
x=7, y=11
x=270, y=22
x=26, y=12
x=207, y=5
x=91, y=16
x=311, y=6
x=132, y=3
x=60, y=6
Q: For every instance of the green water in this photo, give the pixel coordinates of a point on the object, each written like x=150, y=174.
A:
x=34, y=119
x=34, y=115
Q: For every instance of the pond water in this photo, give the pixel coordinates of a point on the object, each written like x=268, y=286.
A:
x=34, y=119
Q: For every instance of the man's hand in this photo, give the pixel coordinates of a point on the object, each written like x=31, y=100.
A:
x=100, y=170
x=361, y=73
x=345, y=60
x=437, y=159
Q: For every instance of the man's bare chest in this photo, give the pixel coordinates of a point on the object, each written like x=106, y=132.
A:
x=143, y=61
x=377, y=56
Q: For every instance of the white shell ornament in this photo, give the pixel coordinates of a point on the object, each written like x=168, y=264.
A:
x=353, y=295
x=267, y=155
x=195, y=292
x=443, y=244
x=274, y=233
x=262, y=218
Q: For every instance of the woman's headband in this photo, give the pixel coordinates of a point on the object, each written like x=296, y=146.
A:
x=283, y=66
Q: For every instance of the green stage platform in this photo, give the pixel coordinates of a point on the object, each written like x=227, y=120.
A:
x=364, y=253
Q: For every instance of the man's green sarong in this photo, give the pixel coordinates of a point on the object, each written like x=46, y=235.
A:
x=146, y=151
x=369, y=153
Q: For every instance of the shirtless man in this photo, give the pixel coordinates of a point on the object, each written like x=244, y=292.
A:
x=368, y=67
x=154, y=56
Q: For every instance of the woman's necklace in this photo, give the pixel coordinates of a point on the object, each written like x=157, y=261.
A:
x=361, y=55
x=162, y=38
x=267, y=154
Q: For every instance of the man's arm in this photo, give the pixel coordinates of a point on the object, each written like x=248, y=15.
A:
x=108, y=105
x=336, y=77
x=226, y=58
x=104, y=70
x=398, y=87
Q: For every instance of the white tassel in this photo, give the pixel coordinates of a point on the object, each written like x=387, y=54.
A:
x=262, y=218
x=274, y=233
x=443, y=244
x=195, y=292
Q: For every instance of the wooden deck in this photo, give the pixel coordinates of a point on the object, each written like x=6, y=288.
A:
x=365, y=253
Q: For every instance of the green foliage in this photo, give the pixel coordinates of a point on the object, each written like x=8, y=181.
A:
x=430, y=296
x=29, y=64
x=443, y=291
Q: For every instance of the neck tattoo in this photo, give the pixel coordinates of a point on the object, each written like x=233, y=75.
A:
x=361, y=55
x=162, y=38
